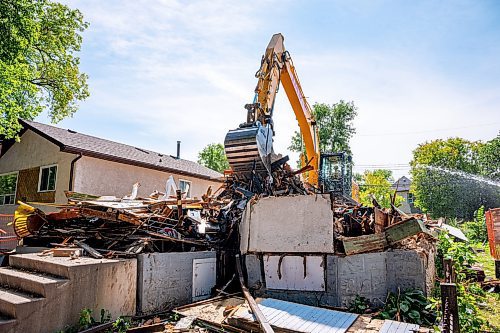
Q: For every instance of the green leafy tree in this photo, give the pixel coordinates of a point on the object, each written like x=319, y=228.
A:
x=446, y=177
x=39, y=68
x=214, y=157
x=377, y=183
x=489, y=159
x=334, y=125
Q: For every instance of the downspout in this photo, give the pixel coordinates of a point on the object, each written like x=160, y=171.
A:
x=72, y=171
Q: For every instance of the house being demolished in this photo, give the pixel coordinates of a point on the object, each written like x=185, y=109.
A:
x=295, y=245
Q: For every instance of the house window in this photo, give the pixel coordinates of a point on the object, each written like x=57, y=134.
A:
x=185, y=188
x=8, y=184
x=411, y=198
x=47, y=178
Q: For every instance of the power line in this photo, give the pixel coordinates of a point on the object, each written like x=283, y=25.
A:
x=429, y=131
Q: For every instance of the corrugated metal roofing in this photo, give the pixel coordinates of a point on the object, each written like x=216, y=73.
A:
x=301, y=318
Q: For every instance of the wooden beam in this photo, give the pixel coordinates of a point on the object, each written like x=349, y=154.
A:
x=264, y=324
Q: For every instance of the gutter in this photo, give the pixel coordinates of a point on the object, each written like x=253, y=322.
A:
x=72, y=171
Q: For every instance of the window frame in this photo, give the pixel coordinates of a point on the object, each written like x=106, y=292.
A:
x=411, y=198
x=15, y=189
x=40, y=177
x=188, y=195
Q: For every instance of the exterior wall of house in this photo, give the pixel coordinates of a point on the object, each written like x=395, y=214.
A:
x=26, y=157
x=405, y=206
x=101, y=177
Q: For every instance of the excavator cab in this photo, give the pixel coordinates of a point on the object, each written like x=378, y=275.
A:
x=335, y=173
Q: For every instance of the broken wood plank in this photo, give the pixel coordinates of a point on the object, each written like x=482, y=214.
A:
x=264, y=324
x=67, y=252
x=404, y=229
x=90, y=250
x=381, y=220
x=366, y=243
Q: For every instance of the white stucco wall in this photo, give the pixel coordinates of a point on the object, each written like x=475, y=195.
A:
x=101, y=177
x=35, y=151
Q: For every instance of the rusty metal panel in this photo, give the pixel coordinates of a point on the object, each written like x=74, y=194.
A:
x=493, y=227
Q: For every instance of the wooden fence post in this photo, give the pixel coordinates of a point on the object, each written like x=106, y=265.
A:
x=449, y=307
x=448, y=271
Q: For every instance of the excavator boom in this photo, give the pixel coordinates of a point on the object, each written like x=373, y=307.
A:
x=249, y=147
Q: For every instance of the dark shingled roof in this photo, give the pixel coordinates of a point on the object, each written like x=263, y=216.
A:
x=74, y=142
x=402, y=184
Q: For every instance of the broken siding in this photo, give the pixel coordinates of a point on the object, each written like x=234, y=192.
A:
x=27, y=187
x=101, y=177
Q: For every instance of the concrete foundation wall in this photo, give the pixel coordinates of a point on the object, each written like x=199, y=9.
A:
x=371, y=275
x=165, y=280
x=83, y=283
x=288, y=224
x=101, y=177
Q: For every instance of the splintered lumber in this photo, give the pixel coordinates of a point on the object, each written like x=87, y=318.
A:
x=264, y=324
x=66, y=252
x=381, y=220
x=404, y=229
x=493, y=228
x=365, y=243
x=91, y=251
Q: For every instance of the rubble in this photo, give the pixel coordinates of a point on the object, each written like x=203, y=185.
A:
x=124, y=227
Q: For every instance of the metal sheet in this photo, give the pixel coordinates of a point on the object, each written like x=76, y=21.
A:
x=391, y=326
x=204, y=278
x=297, y=273
x=300, y=318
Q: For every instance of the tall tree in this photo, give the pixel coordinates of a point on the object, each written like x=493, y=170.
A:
x=447, y=177
x=214, y=157
x=39, y=68
x=335, y=127
x=377, y=184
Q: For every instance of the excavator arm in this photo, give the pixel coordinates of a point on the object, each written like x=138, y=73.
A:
x=249, y=148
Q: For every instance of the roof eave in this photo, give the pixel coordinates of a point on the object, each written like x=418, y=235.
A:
x=84, y=152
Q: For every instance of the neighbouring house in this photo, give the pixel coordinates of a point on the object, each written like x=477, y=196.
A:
x=402, y=188
x=49, y=160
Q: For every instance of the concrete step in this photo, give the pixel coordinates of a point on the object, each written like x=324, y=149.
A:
x=29, y=281
x=16, y=304
x=32, y=262
x=6, y=323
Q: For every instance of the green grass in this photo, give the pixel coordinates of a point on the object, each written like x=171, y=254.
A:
x=491, y=311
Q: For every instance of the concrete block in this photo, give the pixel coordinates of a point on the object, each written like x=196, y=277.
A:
x=303, y=223
x=405, y=270
x=165, y=280
x=254, y=274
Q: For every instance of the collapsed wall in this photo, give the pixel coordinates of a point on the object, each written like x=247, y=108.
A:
x=288, y=244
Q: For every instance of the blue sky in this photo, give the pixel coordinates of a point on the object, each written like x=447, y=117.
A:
x=162, y=71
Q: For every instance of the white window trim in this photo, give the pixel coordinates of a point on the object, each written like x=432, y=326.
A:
x=15, y=190
x=40, y=177
x=188, y=195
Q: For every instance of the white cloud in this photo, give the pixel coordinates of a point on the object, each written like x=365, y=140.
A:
x=169, y=70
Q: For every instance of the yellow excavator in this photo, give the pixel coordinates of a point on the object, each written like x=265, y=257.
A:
x=249, y=148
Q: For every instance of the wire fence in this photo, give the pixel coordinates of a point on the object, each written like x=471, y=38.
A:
x=8, y=238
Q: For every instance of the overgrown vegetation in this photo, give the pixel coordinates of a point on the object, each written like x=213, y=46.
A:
x=87, y=321
x=410, y=306
x=470, y=295
x=359, y=305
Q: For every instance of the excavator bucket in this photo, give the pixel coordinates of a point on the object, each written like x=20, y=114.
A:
x=249, y=149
